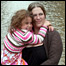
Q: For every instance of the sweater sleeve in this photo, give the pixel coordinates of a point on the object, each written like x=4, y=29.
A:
x=55, y=48
x=28, y=37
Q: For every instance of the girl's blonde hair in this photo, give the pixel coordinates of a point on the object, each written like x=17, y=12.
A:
x=17, y=19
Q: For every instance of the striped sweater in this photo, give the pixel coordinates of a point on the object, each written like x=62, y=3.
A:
x=15, y=42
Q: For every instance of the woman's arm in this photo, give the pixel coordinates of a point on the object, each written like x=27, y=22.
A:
x=55, y=48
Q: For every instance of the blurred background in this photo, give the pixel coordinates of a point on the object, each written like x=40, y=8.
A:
x=55, y=11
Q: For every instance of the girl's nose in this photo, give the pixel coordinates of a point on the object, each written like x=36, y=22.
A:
x=29, y=25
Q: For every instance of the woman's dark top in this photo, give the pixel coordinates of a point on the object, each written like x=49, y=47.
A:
x=34, y=55
x=53, y=47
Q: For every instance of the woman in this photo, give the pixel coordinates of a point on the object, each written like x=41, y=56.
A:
x=49, y=52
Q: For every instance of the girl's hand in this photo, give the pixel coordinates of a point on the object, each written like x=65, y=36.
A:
x=47, y=23
x=51, y=28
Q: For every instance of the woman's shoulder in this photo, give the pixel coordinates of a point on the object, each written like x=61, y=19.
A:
x=54, y=32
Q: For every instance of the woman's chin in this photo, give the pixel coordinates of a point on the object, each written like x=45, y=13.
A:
x=39, y=25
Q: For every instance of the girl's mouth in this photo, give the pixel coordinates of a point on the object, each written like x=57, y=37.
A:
x=29, y=29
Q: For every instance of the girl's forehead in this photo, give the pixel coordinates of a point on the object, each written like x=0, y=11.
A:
x=27, y=19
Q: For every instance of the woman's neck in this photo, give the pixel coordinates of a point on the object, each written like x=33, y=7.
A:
x=36, y=30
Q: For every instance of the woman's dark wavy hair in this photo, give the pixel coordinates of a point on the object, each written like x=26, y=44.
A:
x=36, y=4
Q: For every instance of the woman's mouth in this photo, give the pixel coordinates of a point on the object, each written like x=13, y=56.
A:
x=38, y=21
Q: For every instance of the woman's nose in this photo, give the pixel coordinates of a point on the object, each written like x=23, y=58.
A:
x=38, y=17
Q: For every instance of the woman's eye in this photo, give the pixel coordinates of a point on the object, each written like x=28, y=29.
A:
x=41, y=14
x=38, y=14
x=34, y=15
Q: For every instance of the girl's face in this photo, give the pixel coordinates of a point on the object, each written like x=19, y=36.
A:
x=27, y=23
x=38, y=16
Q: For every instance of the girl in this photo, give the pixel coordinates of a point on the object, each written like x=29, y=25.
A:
x=19, y=36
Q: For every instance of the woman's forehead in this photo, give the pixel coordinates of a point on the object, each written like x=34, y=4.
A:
x=37, y=10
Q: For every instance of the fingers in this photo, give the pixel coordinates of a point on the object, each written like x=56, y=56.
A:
x=51, y=28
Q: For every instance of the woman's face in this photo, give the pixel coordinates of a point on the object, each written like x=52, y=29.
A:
x=27, y=23
x=38, y=16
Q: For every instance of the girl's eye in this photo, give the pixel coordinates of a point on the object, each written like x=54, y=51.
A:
x=30, y=22
x=26, y=22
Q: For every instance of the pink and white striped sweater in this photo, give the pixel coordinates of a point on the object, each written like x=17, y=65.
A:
x=15, y=42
